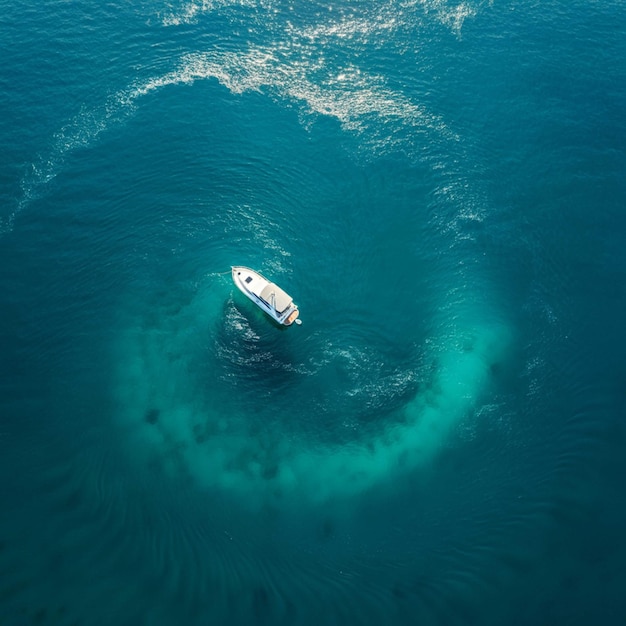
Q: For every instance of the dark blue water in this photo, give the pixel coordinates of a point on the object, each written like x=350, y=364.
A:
x=440, y=186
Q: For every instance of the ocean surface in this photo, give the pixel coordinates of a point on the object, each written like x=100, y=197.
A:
x=440, y=185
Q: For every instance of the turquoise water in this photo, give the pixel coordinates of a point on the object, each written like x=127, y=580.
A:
x=439, y=185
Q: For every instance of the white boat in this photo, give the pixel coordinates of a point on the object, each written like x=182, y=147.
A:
x=266, y=295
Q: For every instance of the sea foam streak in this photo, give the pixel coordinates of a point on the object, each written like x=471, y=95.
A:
x=348, y=94
x=292, y=67
x=80, y=132
x=286, y=72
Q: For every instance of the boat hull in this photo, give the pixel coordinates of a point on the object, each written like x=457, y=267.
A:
x=270, y=298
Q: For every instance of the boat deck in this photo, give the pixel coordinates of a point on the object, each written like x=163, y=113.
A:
x=267, y=295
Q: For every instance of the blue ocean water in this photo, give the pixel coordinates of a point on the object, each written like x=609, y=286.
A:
x=440, y=185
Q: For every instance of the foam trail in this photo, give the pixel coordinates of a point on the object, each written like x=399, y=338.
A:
x=80, y=132
x=292, y=67
x=362, y=97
